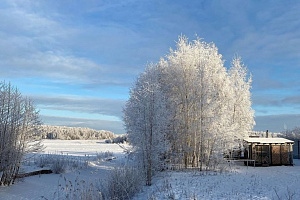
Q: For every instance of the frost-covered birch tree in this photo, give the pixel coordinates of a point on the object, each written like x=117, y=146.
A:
x=242, y=115
x=206, y=106
x=18, y=124
x=197, y=86
x=146, y=121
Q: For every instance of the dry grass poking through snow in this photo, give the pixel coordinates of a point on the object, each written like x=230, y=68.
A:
x=277, y=182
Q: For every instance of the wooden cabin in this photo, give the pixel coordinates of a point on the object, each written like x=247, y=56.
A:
x=269, y=151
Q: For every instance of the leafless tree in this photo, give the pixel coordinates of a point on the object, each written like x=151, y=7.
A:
x=18, y=126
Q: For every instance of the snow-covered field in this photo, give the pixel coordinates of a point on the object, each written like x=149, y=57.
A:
x=240, y=182
x=80, y=147
x=45, y=186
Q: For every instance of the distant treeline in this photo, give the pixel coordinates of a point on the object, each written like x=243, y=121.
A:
x=292, y=134
x=74, y=133
x=264, y=134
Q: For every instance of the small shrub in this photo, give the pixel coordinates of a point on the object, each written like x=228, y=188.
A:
x=120, y=139
x=42, y=161
x=122, y=183
x=59, y=165
x=103, y=155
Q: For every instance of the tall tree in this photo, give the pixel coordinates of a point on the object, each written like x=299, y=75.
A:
x=18, y=125
x=205, y=108
x=242, y=115
x=197, y=86
x=146, y=121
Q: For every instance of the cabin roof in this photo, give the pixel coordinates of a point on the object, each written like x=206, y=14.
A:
x=268, y=140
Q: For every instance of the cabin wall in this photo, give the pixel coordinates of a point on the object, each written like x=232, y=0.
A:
x=271, y=154
x=276, y=158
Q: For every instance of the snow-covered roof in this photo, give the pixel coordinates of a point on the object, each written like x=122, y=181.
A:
x=269, y=140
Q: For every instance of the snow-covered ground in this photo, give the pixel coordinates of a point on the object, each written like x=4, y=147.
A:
x=45, y=186
x=240, y=182
x=80, y=147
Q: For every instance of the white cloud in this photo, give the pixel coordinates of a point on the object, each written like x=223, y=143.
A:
x=52, y=65
x=108, y=107
x=42, y=42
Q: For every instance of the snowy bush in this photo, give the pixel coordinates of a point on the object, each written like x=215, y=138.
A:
x=103, y=155
x=122, y=183
x=59, y=165
x=120, y=139
x=43, y=160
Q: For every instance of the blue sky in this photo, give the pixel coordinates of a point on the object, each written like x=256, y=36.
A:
x=78, y=59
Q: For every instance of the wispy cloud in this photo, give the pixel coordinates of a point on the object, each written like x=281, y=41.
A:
x=275, y=123
x=292, y=100
x=264, y=100
x=52, y=65
x=40, y=44
x=108, y=107
x=267, y=33
x=276, y=100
